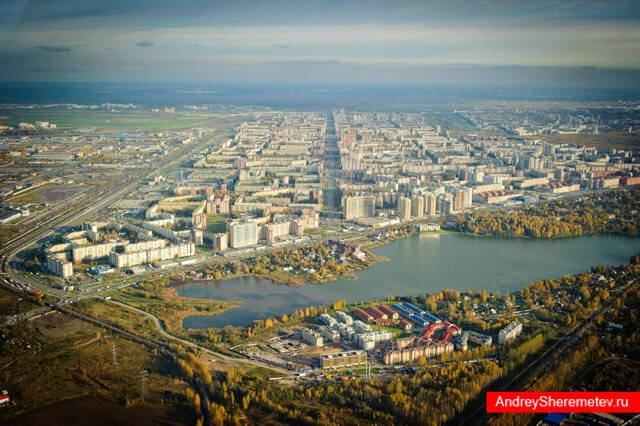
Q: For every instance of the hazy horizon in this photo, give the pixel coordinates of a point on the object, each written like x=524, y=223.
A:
x=297, y=95
x=550, y=43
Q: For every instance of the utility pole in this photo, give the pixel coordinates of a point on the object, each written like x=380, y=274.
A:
x=144, y=388
x=113, y=353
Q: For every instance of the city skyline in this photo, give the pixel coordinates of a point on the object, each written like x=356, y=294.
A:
x=542, y=43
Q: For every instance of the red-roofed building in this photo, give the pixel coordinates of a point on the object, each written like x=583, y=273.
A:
x=377, y=314
x=390, y=312
x=405, y=325
x=362, y=315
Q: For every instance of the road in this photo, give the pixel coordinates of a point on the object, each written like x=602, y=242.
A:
x=166, y=350
x=331, y=175
x=526, y=373
x=63, y=215
x=72, y=211
x=77, y=209
x=130, y=336
x=43, y=214
x=225, y=358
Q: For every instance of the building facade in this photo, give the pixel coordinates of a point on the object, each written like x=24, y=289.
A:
x=123, y=260
x=510, y=332
x=358, y=207
x=343, y=359
x=243, y=234
x=404, y=208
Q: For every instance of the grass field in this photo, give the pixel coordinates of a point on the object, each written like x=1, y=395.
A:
x=166, y=304
x=124, y=319
x=13, y=303
x=55, y=358
x=83, y=118
x=216, y=224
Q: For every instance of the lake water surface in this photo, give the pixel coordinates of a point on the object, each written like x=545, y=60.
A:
x=419, y=265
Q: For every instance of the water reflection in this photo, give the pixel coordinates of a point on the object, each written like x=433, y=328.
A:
x=420, y=265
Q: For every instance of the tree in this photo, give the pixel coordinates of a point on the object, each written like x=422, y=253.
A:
x=196, y=403
x=452, y=309
x=584, y=292
x=218, y=414
x=603, y=294
x=246, y=400
x=339, y=304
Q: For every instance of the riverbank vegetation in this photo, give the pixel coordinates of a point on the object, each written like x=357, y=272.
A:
x=315, y=263
x=437, y=390
x=158, y=297
x=615, y=212
x=262, y=329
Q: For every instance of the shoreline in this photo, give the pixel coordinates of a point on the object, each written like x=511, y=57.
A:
x=334, y=288
x=298, y=281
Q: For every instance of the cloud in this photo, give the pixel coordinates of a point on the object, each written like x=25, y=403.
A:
x=158, y=13
x=54, y=48
x=305, y=62
x=375, y=40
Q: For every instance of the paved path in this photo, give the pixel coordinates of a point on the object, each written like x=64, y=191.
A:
x=227, y=359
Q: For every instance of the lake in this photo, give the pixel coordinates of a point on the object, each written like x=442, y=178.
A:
x=419, y=265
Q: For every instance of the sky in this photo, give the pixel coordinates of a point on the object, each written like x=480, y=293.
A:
x=448, y=42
